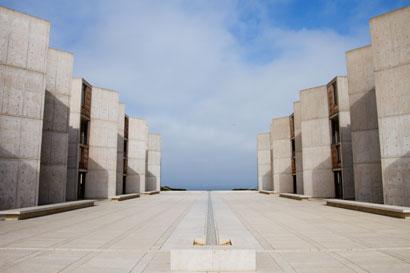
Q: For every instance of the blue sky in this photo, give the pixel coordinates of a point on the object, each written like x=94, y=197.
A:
x=208, y=75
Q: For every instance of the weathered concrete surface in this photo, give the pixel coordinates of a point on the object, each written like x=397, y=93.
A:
x=102, y=165
x=265, y=182
x=132, y=236
x=391, y=53
x=153, y=175
x=54, y=146
x=316, y=140
x=120, y=148
x=281, y=155
x=298, y=146
x=23, y=54
x=137, y=155
x=364, y=126
x=345, y=137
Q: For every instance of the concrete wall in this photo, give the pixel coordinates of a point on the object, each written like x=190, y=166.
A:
x=73, y=139
x=391, y=52
x=120, y=147
x=298, y=147
x=345, y=137
x=317, y=165
x=153, y=175
x=102, y=165
x=137, y=152
x=54, y=147
x=23, y=54
x=265, y=179
x=364, y=126
x=281, y=155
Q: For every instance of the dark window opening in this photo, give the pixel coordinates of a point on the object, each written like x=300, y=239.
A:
x=294, y=184
x=84, y=132
x=293, y=147
x=81, y=185
x=83, y=94
x=338, y=184
x=335, y=130
x=124, y=185
x=125, y=147
x=335, y=100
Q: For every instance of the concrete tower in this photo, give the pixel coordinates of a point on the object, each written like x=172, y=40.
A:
x=54, y=147
x=316, y=141
x=23, y=57
x=264, y=163
x=364, y=126
x=391, y=55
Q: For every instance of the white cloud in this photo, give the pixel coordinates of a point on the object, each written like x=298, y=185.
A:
x=179, y=66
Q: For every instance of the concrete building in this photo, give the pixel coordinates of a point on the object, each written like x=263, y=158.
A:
x=137, y=155
x=78, y=140
x=102, y=165
x=153, y=175
x=121, y=149
x=364, y=126
x=54, y=146
x=264, y=162
x=341, y=143
x=281, y=155
x=318, y=178
x=391, y=56
x=297, y=121
x=23, y=56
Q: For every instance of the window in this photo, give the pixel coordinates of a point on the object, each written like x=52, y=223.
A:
x=335, y=100
x=335, y=130
x=84, y=132
x=83, y=94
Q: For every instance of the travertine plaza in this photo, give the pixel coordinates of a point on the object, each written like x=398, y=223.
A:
x=69, y=153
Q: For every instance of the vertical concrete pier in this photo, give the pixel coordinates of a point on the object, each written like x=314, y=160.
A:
x=364, y=126
x=54, y=146
x=281, y=155
x=316, y=140
x=102, y=165
x=153, y=175
x=137, y=155
x=23, y=57
x=265, y=182
x=298, y=147
x=391, y=47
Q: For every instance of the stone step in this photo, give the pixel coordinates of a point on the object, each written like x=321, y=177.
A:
x=387, y=210
x=30, y=212
x=123, y=197
x=294, y=196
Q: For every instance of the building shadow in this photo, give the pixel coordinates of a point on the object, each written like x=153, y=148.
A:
x=54, y=149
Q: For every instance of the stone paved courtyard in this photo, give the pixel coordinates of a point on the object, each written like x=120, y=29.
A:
x=136, y=235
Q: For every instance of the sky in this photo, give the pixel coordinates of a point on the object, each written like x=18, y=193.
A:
x=208, y=75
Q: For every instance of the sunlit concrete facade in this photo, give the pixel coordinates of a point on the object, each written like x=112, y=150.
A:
x=137, y=155
x=281, y=155
x=153, y=174
x=102, y=166
x=391, y=56
x=54, y=146
x=298, y=146
x=364, y=126
x=23, y=57
x=316, y=141
x=264, y=163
